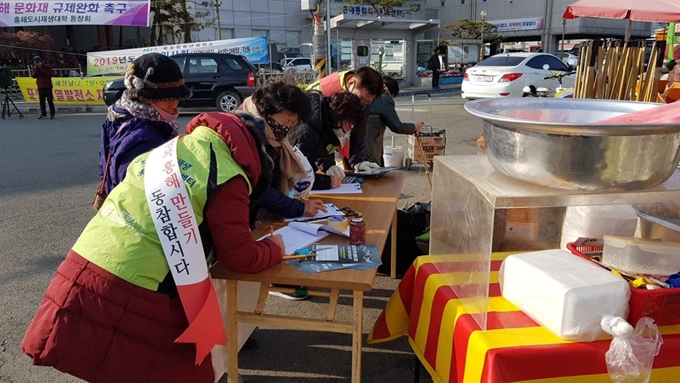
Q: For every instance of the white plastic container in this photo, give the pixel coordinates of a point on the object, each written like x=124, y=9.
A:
x=641, y=256
x=597, y=221
x=566, y=294
x=393, y=155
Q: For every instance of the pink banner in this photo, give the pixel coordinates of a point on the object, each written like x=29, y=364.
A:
x=92, y=12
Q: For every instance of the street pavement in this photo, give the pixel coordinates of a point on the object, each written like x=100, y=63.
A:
x=49, y=175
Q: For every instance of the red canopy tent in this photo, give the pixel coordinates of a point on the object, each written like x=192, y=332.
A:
x=662, y=11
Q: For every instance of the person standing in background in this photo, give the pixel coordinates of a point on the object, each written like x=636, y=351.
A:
x=42, y=73
x=438, y=64
x=383, y=115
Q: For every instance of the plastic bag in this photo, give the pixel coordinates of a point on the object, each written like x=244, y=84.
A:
x=631, y=353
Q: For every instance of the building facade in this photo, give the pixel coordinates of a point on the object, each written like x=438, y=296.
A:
x=535, y=20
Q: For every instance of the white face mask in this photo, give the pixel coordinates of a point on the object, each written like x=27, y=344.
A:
x=342, y=136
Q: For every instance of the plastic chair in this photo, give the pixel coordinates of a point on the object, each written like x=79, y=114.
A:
x=671, y=94
x=662, y=85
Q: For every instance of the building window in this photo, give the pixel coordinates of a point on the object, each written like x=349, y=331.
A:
x=293, y=39
x=260, y=32
x=227, y=33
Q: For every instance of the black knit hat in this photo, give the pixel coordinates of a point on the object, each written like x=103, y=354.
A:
x=155, y=77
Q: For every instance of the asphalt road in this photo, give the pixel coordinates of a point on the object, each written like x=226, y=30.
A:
x=48, y=176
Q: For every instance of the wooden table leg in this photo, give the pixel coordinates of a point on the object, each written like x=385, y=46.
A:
x=357, y=335
x=393, y=247
x=232, y=334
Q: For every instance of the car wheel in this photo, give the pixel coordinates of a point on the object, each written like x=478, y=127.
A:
x=228, y=101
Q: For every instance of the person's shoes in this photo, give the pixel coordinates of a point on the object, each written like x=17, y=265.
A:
x=42, y=117
x=299, y=294
x=51, y=117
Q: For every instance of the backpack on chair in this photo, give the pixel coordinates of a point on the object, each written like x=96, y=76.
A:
x=411, y=223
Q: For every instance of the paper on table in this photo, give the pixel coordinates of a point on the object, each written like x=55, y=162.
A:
x=294, y=239
x=334, y=253
x=353, y=188
x=333, y=211
x=316, y=229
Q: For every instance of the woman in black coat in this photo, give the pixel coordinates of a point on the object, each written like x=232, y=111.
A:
x=329, y=125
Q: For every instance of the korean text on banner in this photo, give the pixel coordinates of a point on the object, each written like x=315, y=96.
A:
x=518, y=24
x=67, y=90
x=254, y=49
x=90, y=12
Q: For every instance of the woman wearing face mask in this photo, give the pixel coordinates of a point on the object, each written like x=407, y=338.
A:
x=144, y=117
x=282, y=106
x=331, y=124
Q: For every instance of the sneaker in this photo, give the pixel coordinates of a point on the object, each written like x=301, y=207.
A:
x=42, y=117
x=299, y=294
x=51, y=117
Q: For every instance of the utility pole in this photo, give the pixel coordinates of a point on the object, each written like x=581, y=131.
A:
x=319, y=43
x=482, y=47
x=217, y=5
x=546, y=41
x=328, y=37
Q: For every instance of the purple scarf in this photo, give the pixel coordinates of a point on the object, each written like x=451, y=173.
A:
x=144, y=111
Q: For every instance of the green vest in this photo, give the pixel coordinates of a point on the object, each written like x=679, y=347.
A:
x=122, y=237
x=337, y=77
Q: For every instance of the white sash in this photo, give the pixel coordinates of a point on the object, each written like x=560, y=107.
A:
x=173, y=215
x=175, y=222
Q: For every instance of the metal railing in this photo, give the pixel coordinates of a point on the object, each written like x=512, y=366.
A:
x=290, y=77
x=15, y=93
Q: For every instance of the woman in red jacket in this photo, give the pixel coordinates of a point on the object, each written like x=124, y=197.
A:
x=113, y=312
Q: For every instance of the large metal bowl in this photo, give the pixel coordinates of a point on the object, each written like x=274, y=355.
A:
x=553, y=142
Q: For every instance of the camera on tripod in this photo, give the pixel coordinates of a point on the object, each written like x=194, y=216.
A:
x=6, y=78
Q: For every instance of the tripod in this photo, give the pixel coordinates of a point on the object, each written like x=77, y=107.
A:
x=6, y=108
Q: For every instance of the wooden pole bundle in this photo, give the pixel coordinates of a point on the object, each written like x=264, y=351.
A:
x=616, y=70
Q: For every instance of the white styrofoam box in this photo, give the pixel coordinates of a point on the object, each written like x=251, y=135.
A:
x=596, y=221
x=564, y=293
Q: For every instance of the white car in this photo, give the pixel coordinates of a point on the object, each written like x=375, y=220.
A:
x=298, y=63
x=568, y=58
x=506, y=74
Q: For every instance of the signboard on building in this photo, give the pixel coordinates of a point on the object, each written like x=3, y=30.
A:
x=91, y=12
x=67, y=90
x=254, y=49
x=518, y=24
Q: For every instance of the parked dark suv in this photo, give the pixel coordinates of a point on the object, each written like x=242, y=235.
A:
x=219, y=79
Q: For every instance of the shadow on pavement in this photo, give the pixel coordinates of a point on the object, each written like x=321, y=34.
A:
x=295, y=356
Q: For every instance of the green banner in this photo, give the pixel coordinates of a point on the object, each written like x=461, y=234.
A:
x=670, y=40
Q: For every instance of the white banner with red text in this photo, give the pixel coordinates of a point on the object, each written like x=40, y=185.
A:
x=254, y=49
x=90, y=12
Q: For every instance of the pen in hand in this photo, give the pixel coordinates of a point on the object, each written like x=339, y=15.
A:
x=271, y=230
x=287, y=257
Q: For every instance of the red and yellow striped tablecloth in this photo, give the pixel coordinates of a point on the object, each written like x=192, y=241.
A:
x=450, y=344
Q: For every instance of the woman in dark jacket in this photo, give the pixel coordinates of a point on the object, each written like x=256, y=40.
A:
x=384, y=115
x=330, y=124
x=144, y=117
x=282, y=106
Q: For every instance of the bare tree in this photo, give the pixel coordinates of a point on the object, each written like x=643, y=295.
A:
x=468, y=29
x=385, y=7
x=177, y=18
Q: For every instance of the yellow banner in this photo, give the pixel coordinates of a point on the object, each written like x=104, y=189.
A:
x=68, y=90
